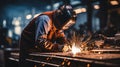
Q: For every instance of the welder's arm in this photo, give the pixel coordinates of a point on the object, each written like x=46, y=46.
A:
x=46, y=45
x=43, y=26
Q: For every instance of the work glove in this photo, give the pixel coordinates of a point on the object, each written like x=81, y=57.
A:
x=66, y=48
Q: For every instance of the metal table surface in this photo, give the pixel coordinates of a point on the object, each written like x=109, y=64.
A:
x=83, y=59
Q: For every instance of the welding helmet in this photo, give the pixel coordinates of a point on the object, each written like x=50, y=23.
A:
x=65, y=17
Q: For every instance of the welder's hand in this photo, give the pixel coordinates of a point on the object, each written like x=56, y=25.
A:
x=66, y=48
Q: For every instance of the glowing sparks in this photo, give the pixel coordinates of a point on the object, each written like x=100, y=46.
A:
x=78, y=44
x=75, y=49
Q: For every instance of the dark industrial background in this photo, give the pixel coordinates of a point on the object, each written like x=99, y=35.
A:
x=95, y=16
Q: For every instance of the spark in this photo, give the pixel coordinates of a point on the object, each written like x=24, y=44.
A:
x=75, y=49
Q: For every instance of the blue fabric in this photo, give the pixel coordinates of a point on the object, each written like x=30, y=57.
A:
x=42, y=25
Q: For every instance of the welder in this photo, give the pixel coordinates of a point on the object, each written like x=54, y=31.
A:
x=45, y=33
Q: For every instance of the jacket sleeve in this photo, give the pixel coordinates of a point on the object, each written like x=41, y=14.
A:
x=42, y=28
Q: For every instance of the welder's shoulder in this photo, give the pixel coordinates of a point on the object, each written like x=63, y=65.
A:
x=44, y=17
x=43, y=20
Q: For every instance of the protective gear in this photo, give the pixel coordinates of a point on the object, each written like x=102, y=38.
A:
x=65, y=16
x=43, y=34
x=40, y=35
x=66, y=48
x=47, y=46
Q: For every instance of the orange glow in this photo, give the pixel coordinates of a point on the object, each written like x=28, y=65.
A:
x=83, y=9
x=75, y=49
x=77, y=11
x=96, y=7
x=114, y=2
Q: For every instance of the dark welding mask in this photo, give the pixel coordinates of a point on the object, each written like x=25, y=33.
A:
x=65, y=17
